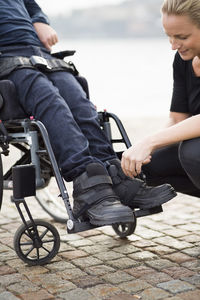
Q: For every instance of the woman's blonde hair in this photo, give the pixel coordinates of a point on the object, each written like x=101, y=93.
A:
x=190, y=8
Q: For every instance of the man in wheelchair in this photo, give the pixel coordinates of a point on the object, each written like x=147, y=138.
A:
x=47, y=88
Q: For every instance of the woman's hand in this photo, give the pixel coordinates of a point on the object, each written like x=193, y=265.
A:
x=134, y=157
x=46, y=34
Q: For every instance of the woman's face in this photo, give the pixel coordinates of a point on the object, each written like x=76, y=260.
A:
x=183, y=34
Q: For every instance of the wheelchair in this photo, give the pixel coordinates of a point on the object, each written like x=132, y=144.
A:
x=37, y=174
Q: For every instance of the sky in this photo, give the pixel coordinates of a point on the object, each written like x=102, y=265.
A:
x=56, y=7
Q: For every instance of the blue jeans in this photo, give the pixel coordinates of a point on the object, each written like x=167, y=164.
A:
x=58, y=100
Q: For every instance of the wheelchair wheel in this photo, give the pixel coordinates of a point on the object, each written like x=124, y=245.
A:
x=50, y=201
x=124, y=229
x=38, y=244
x=1, y=181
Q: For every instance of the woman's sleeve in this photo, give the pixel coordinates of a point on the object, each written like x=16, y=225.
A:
x=179, y=102
x=35, y=12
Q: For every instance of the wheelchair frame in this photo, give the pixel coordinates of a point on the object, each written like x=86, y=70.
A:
x=33, y=171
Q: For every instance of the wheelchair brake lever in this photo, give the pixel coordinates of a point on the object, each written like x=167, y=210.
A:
x=63, y=54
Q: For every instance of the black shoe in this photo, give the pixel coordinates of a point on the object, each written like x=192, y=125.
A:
x=134, y=192
x=95, y=200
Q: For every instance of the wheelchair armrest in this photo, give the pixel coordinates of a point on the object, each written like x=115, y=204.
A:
x=63, y=54
x=10, y=107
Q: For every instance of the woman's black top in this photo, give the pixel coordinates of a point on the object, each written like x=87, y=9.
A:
x=186, y=87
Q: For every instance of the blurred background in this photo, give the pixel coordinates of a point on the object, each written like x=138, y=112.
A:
x=121, y=49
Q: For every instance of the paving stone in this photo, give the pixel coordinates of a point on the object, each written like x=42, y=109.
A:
x=53, y=283
x=143, y=255
x=160, y=264
x=149, y=234
x=37, y=295
x=192, y=295
x=8, y=296
x=192, y=265
x=65, y=247
x=100, y=270
x=192, y=238
x=153, y=294
x=195, y=251
x=122, y=263
x=173, y=243
x=156, y=278
x=176, y=233
x=30, y=271
x=125, y=297
x=94, y=249
x=90, y=261
x=193, y=227
x=142, y=243
x=87, y=281
x=175, y=286
x=178, y=257
x=126, y=249
x=74, y=254
x=59, y=266
x=160, y=250
x=178, y=272
x=103, y=291
x=6, y=280
x=109, y=255
x=78, y=294
x=117, y=277
x=134, y=286
x=71, y=274
x=101, y=238
x=175, y=298
x=80, y=243
x=24, y=286
x=91, y=232
x=195, y=280
x=4, y=270
x=140, y=271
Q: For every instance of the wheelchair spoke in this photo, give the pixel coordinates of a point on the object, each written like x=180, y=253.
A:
x=44, y=233
x=38, y=254
x=48, y=241
x=26, y=243
x=46, y=249
x=29, y=251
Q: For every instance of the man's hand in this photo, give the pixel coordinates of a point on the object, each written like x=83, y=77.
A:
x=46, y=34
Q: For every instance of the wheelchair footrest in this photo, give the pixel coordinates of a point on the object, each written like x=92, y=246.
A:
x=146, y=212
x=76, y=226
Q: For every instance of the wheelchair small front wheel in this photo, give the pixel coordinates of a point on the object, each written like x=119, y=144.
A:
x=38, y=243
x=124, y=229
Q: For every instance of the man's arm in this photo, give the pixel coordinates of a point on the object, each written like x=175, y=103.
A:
x=35, y=12
x=45, y=32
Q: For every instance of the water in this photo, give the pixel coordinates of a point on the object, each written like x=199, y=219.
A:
x=128, y=77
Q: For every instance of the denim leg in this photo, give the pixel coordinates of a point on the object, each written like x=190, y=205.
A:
x=84, y=114
x=40, y=98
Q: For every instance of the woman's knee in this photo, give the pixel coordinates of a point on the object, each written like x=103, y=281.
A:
x=189, y=151
x=189, y=155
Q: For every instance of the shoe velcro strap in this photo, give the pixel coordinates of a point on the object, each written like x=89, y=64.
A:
x=88, y=182
x=91, y=203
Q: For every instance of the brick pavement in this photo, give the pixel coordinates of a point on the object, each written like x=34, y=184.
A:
x=159, y=261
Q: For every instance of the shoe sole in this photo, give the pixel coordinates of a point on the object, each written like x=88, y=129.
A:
x=111, y=221
x=159, y=201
